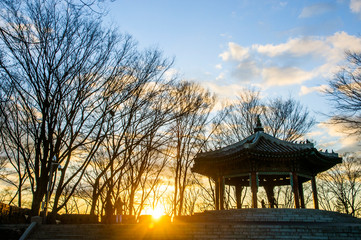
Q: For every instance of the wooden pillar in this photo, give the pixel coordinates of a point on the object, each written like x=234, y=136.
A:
x=238, y=190
x=295, y=186
x=217, y=193
x=302, y=198
x=314, y=191
x=254, y=189
x=221, y=193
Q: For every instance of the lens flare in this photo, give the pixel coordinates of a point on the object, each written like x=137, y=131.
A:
x=157, y=212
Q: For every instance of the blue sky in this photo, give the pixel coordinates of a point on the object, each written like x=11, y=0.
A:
x=281, y=47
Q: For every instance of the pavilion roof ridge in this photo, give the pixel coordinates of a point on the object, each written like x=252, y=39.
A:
x=252, y=140
x=303, y=145
x=232, y=146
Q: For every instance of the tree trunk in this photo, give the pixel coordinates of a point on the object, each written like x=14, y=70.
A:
x=37, y=198
x=94, y=202
x=19, y=192
x=131, y=202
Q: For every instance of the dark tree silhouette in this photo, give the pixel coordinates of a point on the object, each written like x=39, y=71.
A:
x=340, y=187
x=188, y=137
x=345, y=95
x=287, y=119
x=65, y=76
x=284, y=119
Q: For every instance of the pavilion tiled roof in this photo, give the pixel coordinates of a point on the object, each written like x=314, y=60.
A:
x=262, y=146
x=262, y=142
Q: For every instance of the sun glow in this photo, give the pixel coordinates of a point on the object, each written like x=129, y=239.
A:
x=157, y=212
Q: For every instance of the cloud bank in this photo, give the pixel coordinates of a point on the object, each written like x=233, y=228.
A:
x=290, y=63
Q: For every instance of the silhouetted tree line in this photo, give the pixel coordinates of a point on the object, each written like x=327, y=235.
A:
x=82, y=96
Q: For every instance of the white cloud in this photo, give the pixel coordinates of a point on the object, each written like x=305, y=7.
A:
x=223, y=91
x=275, y=76
x=355, y=6
x=247, y=71
x=307, y=90
x=220, y=76
x=235, y=52
x=336, y=130
x=171, y=74
x=315, y=9
x=313, y=134
x=289, y=62
x=341, y=41
x=219, y=66
x=295, y=47
x=327, y=145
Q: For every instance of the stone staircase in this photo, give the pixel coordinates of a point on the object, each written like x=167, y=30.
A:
x=273, y=215
x=260, y=224
x=111, y=232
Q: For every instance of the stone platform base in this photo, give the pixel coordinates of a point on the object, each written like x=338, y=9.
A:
x=261, y=224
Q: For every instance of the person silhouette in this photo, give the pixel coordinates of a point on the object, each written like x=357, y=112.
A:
x=118, y=205
x=263, y=204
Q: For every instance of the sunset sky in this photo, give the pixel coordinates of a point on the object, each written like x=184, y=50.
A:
x=284, y=48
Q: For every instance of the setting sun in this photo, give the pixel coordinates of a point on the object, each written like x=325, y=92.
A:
x=157, y=212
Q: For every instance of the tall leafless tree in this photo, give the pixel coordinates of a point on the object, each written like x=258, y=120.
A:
x=66, y=75
x=340, y=187
x=284, y=119
x=344, y=93
x=135, y=152
x=189, y=134
x=13, y=171
x=240, y=119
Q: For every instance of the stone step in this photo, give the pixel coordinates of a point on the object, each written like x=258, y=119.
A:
x=200, y=231
x=261, y=224
x=274, y=215
x=100, y=231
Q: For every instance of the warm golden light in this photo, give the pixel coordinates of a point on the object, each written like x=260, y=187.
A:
x=157, y=212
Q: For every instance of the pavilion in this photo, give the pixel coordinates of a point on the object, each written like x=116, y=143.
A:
x=263, y=160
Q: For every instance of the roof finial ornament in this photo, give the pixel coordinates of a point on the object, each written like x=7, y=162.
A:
x=258, y=127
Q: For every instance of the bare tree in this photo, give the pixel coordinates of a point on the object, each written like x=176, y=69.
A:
x=191, y=196
x=341, y=186
x=207, y=192
x=240, y=119
x=287, y=119
x=345, y=94
x=284, y=119
x=12, y=168
x=133, y=154
x=66, y=76
x=189, y=136
x=284, y=196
